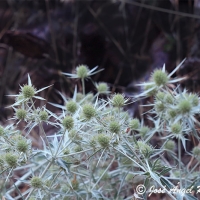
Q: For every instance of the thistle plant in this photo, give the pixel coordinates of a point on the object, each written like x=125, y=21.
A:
x=97, y=150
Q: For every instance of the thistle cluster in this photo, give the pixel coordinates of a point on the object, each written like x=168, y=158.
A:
x=96, y=149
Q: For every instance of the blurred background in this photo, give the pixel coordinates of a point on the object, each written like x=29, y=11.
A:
x=128, y=38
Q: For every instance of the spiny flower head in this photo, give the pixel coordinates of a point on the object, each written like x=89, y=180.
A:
x=134, y=124
x=68, y=122
x=170, y=145
x=102, y=88
x=21, y=114
x=114, y=127
x=103, y=140
x=196, y=152
x=22, y=145
x=118, y=100
x=82, y=71
x=11, y=159
x=176, y=128
x=144, y=130
x=89, y=111
x=28, y=91
x=36, y=182
x=160, y=77
x=151, y=90
x=184, y=106
x=2, y=131
x=144, y=147
x=43, y=115
x=71, y=106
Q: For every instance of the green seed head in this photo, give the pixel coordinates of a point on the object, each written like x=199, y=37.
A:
x=169, y=99
x=11, y=159
x=2, y=132
x=43, y=115
x=176, y=128
x=79, y=97
x=160, y=77
x=22, y=146
x=68, y=122
x=134, y=124
x=82, y=71
x=144, y=148
x=172, y=113
x=152, y=92
x=159, y=106
x=194, y=99
x=89, y=97
x=102, y=88
x=114, y=127
x=93, y=142
x=36, y=182
x=21, y=114
x=103, y=140
x=66, y=151
x=71, y=106
x=184, y=106
x=78, y=149
x=160, y=96
x=88, y=111
x=144, y=130
x=73, y=135
x=196, y=152
x=118, y=100
x=170, y=145
x=28, y=91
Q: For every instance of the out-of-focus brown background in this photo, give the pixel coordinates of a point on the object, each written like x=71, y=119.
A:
x=128, y=38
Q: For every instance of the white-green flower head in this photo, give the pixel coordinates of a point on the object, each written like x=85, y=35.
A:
x=159, y=79
x=82, y=71
x=102, y=88
x=196, y=152
x=114, y=127
x=144, y=130
x=89, y=111
x=11, y=159
x=176, y=128
x=170, y=145
x=36, y=182
x=2, y=131
x=103, y=140
x=184, y=106
x=150, y=89
x=144, y=147
x=43, y=115
x=159, y=106
x=28, y=91
x=22, y=146
x=21, y=114
x=160, y=96
x=134, y=124
x=71, y=106
x=118, y=100
x=68, y=122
